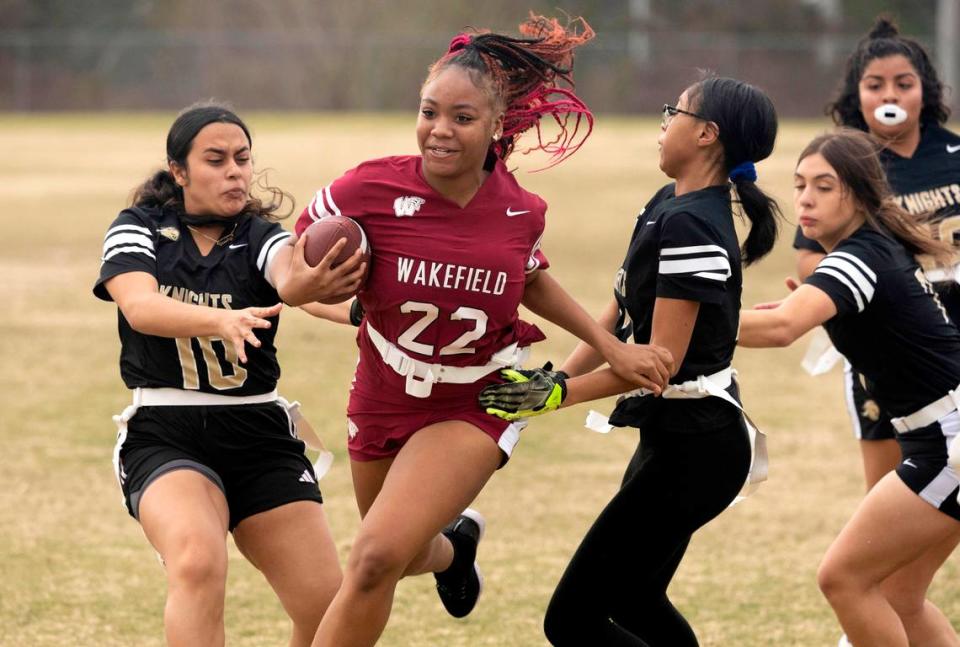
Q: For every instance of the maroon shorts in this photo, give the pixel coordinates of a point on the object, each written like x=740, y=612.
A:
x=378, y=429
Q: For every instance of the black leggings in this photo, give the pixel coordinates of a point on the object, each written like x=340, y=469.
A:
x=614, y=591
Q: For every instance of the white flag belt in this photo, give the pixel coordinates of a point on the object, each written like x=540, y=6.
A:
x=706, y=386
x=928, y=414
x=421, y=376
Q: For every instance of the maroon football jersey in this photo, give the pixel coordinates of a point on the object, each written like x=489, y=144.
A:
x=445, y=282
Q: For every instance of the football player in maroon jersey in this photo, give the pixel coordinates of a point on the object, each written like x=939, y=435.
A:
x=456, y=249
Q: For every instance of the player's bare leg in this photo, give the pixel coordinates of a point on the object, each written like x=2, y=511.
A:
x=368, y=477
x=891, y=528
x=185, y=517
x=906, y=589
x=293, y=548
x=435, y=476
x=880, y=457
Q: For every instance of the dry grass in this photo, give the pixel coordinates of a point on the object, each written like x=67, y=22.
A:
x=78, y=571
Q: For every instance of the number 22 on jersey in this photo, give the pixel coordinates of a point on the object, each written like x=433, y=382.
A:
x=459, y=346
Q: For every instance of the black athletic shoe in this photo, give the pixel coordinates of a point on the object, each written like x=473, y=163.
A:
x=460, y=585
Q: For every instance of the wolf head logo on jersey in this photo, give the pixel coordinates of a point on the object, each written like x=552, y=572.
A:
x=407, y=205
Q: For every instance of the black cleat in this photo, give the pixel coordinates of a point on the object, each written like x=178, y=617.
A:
x=460, y=585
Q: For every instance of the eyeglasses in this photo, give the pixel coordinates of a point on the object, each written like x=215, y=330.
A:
x=669, y=112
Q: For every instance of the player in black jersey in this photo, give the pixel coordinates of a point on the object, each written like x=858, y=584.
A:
x=884, y=315
x=891, y=90
x=207, y=446
x=679, y=287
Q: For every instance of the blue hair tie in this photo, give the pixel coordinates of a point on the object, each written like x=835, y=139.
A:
x=744, y=171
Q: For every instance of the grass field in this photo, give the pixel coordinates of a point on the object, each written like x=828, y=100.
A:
x=77, y=570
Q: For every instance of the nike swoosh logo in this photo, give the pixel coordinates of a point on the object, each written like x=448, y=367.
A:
x=953, y=149
x=511, y=213
x=652, y=222
x=238, y=246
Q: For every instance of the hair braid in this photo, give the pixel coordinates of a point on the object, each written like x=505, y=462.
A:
x=525, y=75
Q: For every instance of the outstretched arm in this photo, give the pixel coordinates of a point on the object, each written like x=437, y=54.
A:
x=585, y=357
x=806, y=308
x=147, y=311
x=534, y=392
x=347, y=313
x=298, y=283
x=673, y=321
x=637, y=364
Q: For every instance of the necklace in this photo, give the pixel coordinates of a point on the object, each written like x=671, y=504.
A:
x=219, y=242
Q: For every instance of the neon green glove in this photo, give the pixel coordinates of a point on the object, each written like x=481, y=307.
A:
x=526, y=393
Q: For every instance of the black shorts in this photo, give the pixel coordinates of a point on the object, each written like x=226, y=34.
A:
x=924, y=466
x=249, y=451
x=869, y=421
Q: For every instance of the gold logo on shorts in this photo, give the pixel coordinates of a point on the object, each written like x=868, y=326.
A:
x=871, y=410
x=170, y=232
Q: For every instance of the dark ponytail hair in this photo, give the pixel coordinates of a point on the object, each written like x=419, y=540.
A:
x=747, y=125
x=885, y=40
x=161, y=190
x=853, y=154
x=524, y=76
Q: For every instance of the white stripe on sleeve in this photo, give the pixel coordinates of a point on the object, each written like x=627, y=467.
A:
x=700, y=264
x=864, y=284
x=271, y=254
x=129, y=249
x=330, y=204
x=127, y=239
x=863, y=266
x=854, y=290
x=265, y=249
x=693, y=249
x=713, y=276
x=317, y=208
x=137, y=228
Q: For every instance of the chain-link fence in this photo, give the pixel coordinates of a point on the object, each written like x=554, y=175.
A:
x=371, y=55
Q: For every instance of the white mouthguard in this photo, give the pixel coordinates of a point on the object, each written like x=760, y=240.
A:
x=890, y=114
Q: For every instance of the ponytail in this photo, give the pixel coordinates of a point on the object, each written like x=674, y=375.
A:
x=159, y=191
x=765, y=216
x=747, y=125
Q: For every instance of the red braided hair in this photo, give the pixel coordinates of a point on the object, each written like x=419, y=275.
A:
x=526, y=75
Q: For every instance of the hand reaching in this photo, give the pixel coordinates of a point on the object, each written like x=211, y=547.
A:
x=791, y=283
x=645, y=365
x=237, y=326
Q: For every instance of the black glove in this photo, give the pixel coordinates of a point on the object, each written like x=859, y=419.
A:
x=528, y=393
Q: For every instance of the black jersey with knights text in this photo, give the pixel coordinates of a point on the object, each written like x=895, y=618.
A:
x=926, y=186
x=683, y=248
x=233, y=276
x=890, y=323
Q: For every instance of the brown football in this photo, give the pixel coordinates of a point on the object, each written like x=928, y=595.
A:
x=323, y=235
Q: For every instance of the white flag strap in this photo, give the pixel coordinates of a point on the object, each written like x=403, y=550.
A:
x=706, y=386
